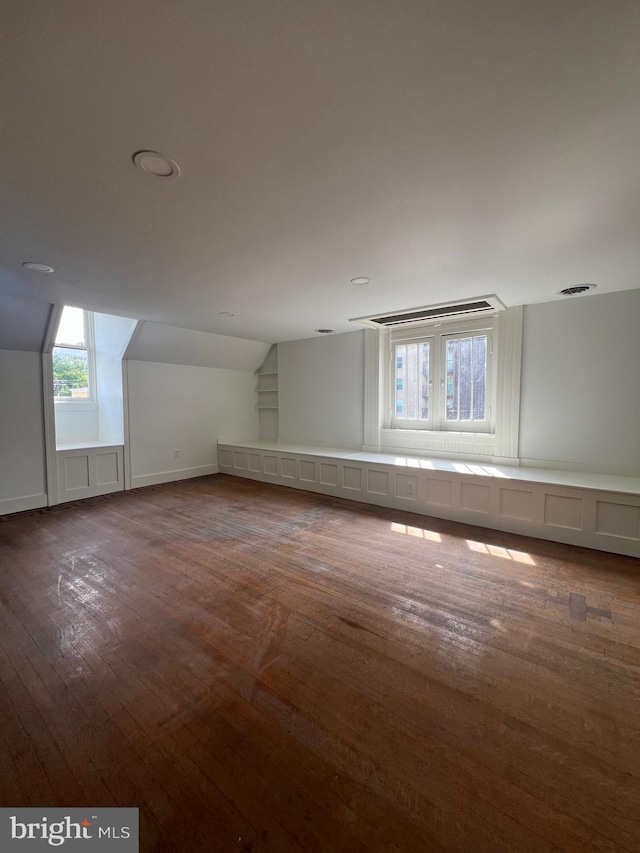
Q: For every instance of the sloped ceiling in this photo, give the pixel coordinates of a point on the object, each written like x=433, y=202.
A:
x=443, y=148
x=23, y=323
x=171, y=345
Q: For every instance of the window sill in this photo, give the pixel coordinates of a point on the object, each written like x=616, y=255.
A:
x=87, y=445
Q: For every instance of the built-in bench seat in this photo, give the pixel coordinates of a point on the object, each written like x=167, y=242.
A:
x=594, y=510
x=89, y=468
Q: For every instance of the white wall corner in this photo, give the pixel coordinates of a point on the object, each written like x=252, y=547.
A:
x=49, y=415
x=173, y=476
x=270, y=363
x=508, y=390
x=373, y=396
x=51, y=469
x=126, y=425
x=136, y=332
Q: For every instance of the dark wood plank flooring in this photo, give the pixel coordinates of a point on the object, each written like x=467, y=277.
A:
x=263, y=669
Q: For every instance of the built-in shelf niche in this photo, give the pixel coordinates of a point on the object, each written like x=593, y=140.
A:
x=267, y=392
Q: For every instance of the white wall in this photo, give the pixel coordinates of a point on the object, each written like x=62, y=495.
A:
x=112, y=335
x=22, y=462
x=76, y=423
x=186, y=408
x=580, y=401
x=321, y=390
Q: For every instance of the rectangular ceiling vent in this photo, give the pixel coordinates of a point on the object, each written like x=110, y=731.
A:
x=433, y=313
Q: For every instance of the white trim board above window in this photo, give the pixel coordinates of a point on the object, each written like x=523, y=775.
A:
x=458, y=387
x=433, y=313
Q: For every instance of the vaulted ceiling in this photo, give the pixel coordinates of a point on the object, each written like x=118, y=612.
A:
x=443, y=148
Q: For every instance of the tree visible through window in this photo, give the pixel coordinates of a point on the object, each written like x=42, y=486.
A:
x=71, y=368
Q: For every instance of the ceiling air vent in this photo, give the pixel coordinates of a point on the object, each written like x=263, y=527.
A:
x=576, y=289
x=433, y=313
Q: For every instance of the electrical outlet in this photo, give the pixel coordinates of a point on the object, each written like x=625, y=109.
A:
x=176, y=454
x=409, y=488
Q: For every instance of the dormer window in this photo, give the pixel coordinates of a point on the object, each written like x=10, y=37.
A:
x=73, y=369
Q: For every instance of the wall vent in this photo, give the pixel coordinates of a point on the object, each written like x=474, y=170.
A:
x=433, y=313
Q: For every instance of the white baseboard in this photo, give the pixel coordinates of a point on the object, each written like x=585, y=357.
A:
x=9, y=505
x=172, y=476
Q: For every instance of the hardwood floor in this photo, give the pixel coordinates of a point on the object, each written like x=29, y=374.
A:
x=262, y=669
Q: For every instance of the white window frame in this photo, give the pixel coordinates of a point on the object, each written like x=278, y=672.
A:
x=437, y=335
x=499, y=442
x=90, y=402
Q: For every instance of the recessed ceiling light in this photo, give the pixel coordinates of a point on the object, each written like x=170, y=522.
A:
x=155, y=164
x=227, y=314
x=576, y=289
x=325, y=331
x=360, y=280
x=32, y=265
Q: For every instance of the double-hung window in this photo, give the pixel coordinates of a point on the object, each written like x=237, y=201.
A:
x=73, y=365
x=442, y=377
x=444, y=384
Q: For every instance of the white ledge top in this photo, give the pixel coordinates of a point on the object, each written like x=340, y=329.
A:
x=558, y=477
x=87, y=445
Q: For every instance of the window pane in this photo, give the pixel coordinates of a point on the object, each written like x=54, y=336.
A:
x=424, y=379
x=401, y=353
x=71, y=328
x=452, y=381
x=466, y=378
x=70, y=373
x=412, y=381
x=479, y=377
x=464, y=384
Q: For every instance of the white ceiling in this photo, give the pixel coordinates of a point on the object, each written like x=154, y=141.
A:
x=444, y=149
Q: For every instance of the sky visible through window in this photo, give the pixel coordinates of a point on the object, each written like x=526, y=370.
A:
x=71, y=328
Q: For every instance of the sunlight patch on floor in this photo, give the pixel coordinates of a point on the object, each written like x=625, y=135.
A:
x=498, y=551
x=418, y=532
